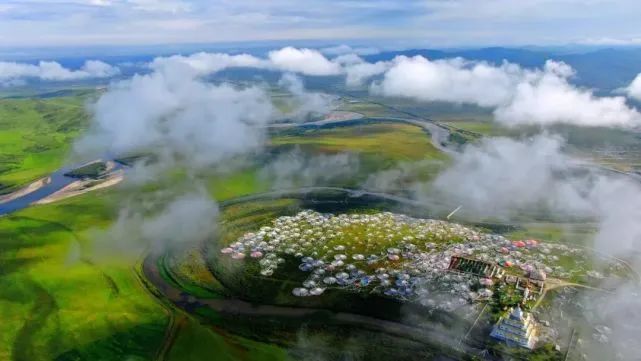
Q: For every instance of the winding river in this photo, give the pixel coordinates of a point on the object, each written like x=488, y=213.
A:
x=58, y=180
x=55, y=182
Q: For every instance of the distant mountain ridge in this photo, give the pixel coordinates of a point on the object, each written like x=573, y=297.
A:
x=604, y=69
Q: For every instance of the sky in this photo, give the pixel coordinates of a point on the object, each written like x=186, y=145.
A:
x=433, y=23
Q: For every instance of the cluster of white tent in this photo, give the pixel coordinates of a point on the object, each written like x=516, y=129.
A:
x=391, y=254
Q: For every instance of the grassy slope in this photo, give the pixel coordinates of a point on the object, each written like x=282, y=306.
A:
x=57, y=302
x=35, y=137
x=198, y=342
x=240, y=183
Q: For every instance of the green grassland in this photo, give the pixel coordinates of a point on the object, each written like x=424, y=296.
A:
x=196, y=342
x=378, y=146
x=36, y=135
x=60, y=301
x=366, y=108
x=579, y=234
x=487, y=128
x=239, y=183
x=387, y=140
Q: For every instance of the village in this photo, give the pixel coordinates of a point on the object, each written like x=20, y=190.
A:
x=438, y=264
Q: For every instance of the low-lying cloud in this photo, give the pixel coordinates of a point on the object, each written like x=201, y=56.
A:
x=519, y=96
x=181, y=124
x=297, y=169
x=305, y=104
x=304, y=61
x=159, y=221
x=202, y=63
x=176, y=115
x=294, y=60
x=634, y=89
x=501, y=177
x=450, y=80
x=15, y=73
x=549, y=98
x=357, y=73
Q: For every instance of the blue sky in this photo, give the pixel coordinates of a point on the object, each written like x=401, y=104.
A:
x=430, y=23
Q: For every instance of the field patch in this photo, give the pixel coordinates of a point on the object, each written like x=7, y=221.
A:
x=387, y=140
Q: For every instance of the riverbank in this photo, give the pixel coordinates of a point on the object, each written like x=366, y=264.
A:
x=79, y=187
x=26, y=190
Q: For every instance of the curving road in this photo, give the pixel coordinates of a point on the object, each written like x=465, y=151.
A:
x=429, y=336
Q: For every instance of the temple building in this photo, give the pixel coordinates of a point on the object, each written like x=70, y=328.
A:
x=516, y=328
x=476, y=267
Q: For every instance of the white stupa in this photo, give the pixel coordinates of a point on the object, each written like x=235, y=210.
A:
x=516, y=328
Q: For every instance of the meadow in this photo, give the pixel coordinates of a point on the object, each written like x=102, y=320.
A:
x=36, y=136
x=379, y=144
x=61, y=300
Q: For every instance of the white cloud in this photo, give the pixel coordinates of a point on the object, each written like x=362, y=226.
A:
x=346, y=49
x=357, y=70
x=499, y=176
x=181, y=122
x=99, y=69
x=449, y=80
x=348, y=59
x=305, y=61
x=612, y=41
x=186, y=220
x=50, y=70
x=288, y=59
x=356, y=73
x=297, y=169
x=207, y=63
x=519, y=96
x=305, y=103
x=550, y=98
x=174, y=115
x=634, y=89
